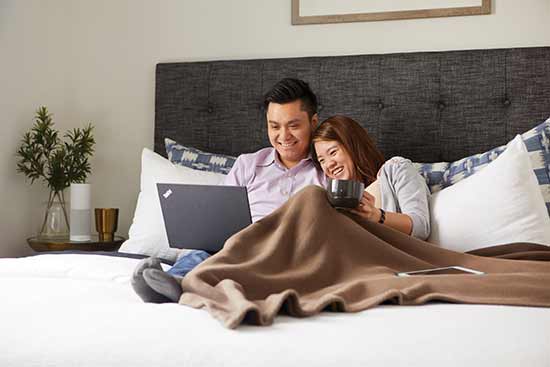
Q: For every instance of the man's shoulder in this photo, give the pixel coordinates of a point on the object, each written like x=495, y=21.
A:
x=261, y=157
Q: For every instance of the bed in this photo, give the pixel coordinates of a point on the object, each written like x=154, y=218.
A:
x=71, y=309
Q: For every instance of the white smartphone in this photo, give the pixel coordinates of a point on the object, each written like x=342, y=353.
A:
x=448, y=270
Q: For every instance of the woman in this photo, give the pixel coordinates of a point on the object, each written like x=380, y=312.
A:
x=396, y=194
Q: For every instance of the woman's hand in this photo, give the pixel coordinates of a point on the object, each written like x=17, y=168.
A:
x=366, y=208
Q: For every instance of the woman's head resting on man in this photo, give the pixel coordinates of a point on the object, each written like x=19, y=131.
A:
x=345, y=151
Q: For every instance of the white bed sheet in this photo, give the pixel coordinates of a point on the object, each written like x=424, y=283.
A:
x=80, y=310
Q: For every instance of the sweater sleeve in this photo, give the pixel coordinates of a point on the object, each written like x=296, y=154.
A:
x=412, y=194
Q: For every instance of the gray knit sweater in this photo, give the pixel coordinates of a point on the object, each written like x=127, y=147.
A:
x=403, y=190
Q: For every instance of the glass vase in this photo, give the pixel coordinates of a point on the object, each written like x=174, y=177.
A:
x=56, y=223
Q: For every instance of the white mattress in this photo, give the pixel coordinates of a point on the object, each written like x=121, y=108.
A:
x=79, y=310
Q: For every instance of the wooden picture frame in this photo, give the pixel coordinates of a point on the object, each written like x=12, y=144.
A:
x=297, y=19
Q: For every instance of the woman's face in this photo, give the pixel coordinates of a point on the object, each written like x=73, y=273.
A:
x=335, y=160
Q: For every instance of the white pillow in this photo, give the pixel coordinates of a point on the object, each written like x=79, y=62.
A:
x=499, y=204
x=147, y=235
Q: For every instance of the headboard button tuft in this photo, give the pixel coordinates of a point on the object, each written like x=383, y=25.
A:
x=507, y=102
x=441, y=105
x=380, y=105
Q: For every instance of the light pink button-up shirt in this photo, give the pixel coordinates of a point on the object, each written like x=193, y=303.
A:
x=268, y=182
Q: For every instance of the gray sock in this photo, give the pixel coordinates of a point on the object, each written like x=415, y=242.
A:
x=146, y=293
x=163, y=283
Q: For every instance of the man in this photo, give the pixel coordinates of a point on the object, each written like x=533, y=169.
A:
x=271, y=176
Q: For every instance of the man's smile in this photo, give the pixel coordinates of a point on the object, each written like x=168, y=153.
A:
x=288, y=145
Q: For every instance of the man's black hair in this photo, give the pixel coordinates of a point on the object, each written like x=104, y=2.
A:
x=290, y=90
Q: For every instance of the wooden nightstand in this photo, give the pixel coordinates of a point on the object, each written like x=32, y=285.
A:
x=42, y=245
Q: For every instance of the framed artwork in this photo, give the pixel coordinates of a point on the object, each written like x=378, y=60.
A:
x=344, y=11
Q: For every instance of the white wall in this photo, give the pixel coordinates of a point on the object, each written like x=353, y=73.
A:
x=94, y=61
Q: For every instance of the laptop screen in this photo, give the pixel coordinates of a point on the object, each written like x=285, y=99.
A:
x=203, y=217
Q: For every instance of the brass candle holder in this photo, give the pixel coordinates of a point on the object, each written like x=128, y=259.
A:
x=106, y=223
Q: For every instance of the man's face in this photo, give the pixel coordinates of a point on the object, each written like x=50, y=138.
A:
x=289, y=130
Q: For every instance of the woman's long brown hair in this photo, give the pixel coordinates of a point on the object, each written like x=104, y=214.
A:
x=357, y=143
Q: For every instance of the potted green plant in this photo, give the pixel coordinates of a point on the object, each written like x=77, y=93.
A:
x=43, y=154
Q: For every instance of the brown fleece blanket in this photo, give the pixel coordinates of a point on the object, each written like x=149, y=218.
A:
x=307, y=257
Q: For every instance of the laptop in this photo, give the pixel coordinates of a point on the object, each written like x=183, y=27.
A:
x=203, y=217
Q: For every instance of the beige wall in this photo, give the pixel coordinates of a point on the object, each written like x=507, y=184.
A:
x=94, y=61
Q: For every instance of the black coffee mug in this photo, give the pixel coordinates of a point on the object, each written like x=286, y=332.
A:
x=345, y=193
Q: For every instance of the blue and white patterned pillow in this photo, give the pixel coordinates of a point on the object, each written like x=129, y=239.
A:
x=433, y=174
x=197, y=159
x=537, y=140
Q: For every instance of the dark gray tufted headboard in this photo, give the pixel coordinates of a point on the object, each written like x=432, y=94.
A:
x=427, y=106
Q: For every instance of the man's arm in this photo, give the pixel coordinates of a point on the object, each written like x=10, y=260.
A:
x=237, y=174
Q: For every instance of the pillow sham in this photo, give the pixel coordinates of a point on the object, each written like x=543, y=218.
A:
x=147, y=235
x=499, y=204
x=537, y=141
x=197, y=159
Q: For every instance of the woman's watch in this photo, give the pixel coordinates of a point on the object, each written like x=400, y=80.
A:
x=382, y=216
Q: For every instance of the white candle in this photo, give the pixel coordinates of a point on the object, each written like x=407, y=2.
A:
x=81, y=213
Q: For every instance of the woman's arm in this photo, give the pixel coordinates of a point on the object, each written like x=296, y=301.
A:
x=401, y=222
x=410, y=192
x=398, y=221
x=412, y=195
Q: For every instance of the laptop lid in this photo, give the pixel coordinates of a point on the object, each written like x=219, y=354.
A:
x=203, y=217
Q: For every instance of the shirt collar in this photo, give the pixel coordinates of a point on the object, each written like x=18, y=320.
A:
x=268, y=159
x=272, y=158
